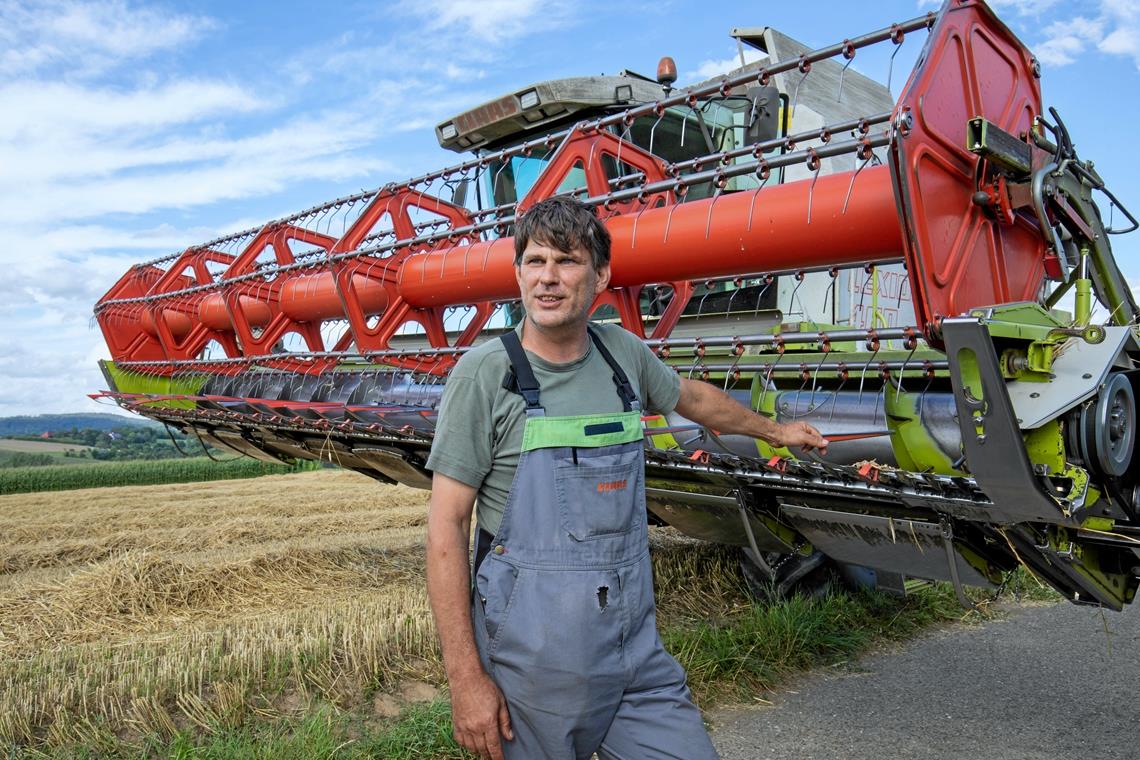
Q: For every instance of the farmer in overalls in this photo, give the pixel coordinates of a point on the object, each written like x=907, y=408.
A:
x=552, y=652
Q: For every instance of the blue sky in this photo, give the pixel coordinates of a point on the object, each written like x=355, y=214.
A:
x=131, y=130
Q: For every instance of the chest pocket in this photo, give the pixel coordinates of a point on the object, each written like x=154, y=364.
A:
x=599, y=491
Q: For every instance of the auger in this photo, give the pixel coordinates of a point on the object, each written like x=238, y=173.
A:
x=915, y=277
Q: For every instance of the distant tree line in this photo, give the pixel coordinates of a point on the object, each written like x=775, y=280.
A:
x=118, y=444
x=46, y=423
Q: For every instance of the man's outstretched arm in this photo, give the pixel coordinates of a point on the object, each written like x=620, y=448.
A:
x=478, y=711
x=709, y=406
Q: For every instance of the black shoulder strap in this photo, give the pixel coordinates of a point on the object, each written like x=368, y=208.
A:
x=625, y=390
x=524, y=381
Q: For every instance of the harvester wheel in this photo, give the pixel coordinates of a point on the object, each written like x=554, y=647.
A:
x=775, y=577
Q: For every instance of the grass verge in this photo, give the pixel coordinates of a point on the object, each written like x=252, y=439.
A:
x=423, y=731
x=754, y=651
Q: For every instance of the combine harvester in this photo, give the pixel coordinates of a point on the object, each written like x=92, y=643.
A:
x=888, y=271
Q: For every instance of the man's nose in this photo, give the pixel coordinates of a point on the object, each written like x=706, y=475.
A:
x=549, y=272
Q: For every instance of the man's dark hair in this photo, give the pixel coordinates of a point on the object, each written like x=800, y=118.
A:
x=563, y=223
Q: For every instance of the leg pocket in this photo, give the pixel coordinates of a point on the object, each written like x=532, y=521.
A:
x=496, y=585
x=599, y=495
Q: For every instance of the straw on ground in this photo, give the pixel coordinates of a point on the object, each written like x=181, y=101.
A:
x=130, y=614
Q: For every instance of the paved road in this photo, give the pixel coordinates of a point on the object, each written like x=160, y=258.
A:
x=1047, y=682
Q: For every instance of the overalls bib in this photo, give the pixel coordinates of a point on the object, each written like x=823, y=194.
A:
x=563, y=605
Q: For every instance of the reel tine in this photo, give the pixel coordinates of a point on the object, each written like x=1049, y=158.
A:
x=922, y=396
x=738, y=284
x=780, y=348
x=708, y=292
x=897, y=36
x=805, y=374
x=495, y=181
x=768, y=278
x=636, y=221
x=834, y=274
x=870, y=270
x=873, y=344
x=796, y=97
x=763, y=172
x=800, y=276
x=826, y=344
x=851, y=185
x=882, y=397
x=653, y=129
x=912, y=344
x=849, y=54
x=815, y=165
x=843, y=375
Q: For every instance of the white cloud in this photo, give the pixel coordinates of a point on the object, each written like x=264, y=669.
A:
x=1115, y=30
x=714, y=68
x=134, y=176
x=88, y=145
x=231, y=180
x=1024, y=7
x=1065, y=41
x=46, y=109
x=1124, y=40
x=75, y=150
x=490, y=21
x=47, y=379
x=1005, y=7
x=87, y=37
x=476, y=36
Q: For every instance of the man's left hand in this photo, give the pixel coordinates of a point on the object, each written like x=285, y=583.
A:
x=801, y=434
x=710, y=406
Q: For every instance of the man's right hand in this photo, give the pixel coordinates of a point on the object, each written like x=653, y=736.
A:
x=479, y=716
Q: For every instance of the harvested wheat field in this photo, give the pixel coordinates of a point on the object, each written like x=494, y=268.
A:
x=138, y=613
x=39, y=447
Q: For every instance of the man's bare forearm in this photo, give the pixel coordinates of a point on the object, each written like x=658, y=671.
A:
x=715, y=409
x=723, y=413
x=479, y=716
x=449, y=591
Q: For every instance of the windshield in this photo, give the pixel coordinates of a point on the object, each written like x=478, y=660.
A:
x=507, y=182
x=676, y=136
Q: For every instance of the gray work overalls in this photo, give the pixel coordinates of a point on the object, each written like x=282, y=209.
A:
x=563, y=606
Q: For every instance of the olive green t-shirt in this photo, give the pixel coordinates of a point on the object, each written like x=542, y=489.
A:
x=478, y=436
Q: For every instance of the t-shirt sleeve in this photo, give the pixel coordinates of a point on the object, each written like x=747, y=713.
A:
x=660, y=383
x=461, y=448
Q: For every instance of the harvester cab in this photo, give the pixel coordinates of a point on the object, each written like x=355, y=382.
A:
x=917, y=277
x=733, y=125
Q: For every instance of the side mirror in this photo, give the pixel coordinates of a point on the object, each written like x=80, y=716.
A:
x=762, y=119
x=460, y=196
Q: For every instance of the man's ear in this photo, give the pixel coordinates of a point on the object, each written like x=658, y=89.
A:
x=603, y=279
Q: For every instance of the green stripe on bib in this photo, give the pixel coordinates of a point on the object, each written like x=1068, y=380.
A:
x=583, y=431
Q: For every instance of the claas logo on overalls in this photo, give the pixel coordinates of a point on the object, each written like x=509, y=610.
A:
x=610, y=486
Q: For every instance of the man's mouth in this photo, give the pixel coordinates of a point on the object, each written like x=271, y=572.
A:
x=549, y=299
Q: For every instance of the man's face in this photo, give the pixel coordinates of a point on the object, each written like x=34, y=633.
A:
x=559, y=287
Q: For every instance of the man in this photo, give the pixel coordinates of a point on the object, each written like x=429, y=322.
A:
x=553, y=652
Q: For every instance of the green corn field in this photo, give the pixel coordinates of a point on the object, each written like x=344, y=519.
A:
x=137, y=473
